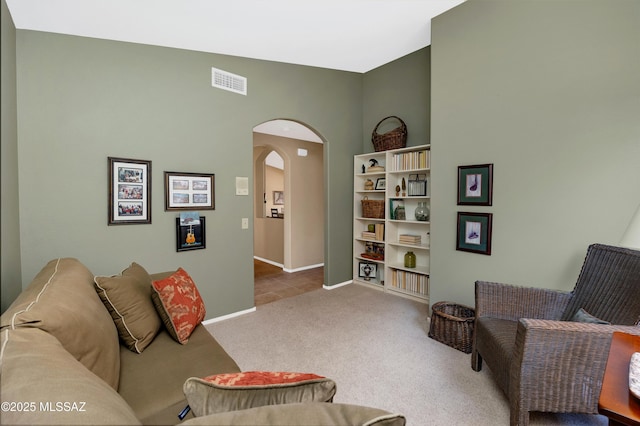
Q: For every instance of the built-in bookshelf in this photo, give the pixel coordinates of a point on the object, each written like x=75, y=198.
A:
x=400, y=180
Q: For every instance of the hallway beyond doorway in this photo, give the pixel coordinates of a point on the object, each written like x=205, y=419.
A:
x=272, y=283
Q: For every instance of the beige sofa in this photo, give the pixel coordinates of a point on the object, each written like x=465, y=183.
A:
x=64, y=362
x=60, y=347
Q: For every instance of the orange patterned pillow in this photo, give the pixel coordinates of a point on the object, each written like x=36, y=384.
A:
x=259, y=378
x=179, y=304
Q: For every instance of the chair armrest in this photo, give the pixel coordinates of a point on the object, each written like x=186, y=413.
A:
x=558, y=366
x=514, y=302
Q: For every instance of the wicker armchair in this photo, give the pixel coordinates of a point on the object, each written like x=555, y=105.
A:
x=541, y=359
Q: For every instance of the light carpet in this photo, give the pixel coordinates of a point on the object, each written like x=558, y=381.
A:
x=375, y=346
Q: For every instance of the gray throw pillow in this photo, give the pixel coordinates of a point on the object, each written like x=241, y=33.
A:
x=584, y=316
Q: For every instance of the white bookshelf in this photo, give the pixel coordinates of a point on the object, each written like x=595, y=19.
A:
x=412, y=164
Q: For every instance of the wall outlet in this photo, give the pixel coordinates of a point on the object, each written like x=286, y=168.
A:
x=245, y=223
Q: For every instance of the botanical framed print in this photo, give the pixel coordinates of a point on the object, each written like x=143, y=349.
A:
x=189, y=191
x=475, y=185
x=129, y=191
x=190, y=235
x=474, y=232
x=278, y=197
x=367, y=270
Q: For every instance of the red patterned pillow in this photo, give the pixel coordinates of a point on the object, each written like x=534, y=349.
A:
x=179, y=304
x=240, y=391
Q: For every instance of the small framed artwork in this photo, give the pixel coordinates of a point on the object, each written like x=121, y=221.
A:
x=474, y=232
x=381, y=183
x=278, y=197
x=190, y=234
x=189, y=191
x=129, y=191
x=367, y=270
x=475, y=185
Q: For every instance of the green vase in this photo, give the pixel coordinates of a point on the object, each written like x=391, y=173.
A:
x=409, y=260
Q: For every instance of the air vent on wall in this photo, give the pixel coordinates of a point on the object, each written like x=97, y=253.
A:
x=226, y=81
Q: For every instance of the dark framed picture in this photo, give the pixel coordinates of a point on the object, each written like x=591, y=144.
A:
x=367, y=270
x=381, y=183
x=129, y=191
x=190, y=235
x=474, y=232
x=475, y=185
x=278, y=197
x=189, y=191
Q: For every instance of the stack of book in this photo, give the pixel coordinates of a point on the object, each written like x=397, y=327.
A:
x=410, y=239
x=377, y=234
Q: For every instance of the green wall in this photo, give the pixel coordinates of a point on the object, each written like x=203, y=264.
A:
x=549, y=93
x=400, y=88
x=10, y=231
x=82, y=100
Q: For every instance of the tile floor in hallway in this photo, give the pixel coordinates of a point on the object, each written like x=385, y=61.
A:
x=272, y=283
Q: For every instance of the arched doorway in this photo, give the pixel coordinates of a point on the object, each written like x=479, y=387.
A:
x=300, y=209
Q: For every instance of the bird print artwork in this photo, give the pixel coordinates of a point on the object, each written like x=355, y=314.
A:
x=474, y=185
x=472, y=233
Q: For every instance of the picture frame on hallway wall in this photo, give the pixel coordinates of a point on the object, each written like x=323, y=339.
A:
x=475, y=185
x=278, y=198
x=189, y=191
x=129, y=191
x=474, y=232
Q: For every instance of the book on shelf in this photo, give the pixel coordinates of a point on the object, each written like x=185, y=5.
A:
x=377, y=234
x=410, y=239
x=410, y=281
x=412, y=160
x=379, y=231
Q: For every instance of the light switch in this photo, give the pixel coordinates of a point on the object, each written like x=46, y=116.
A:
x=245, y=223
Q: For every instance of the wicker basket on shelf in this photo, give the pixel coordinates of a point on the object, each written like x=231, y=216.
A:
x=393, y=139
x=452, y=324
x=373, y=209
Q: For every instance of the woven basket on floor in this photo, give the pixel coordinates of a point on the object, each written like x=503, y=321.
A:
x=393, y=139
x=452, y=324
x=372, y=208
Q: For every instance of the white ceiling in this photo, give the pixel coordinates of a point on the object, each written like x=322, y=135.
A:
x=348, y=35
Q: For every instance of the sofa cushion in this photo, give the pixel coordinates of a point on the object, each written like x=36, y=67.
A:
x=304, y=414
x=52, y=386
x=239, y=391
x=179, y=304
x=127, y=297
x=157, y=397
x=61, y=300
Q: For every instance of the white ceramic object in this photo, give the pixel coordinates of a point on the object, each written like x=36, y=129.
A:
x=634, y=374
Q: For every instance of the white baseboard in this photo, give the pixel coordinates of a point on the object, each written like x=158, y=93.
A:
x=280, y=265
x=271, y=262
x=333, y=287
x=303, y=268
x=229, y=316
